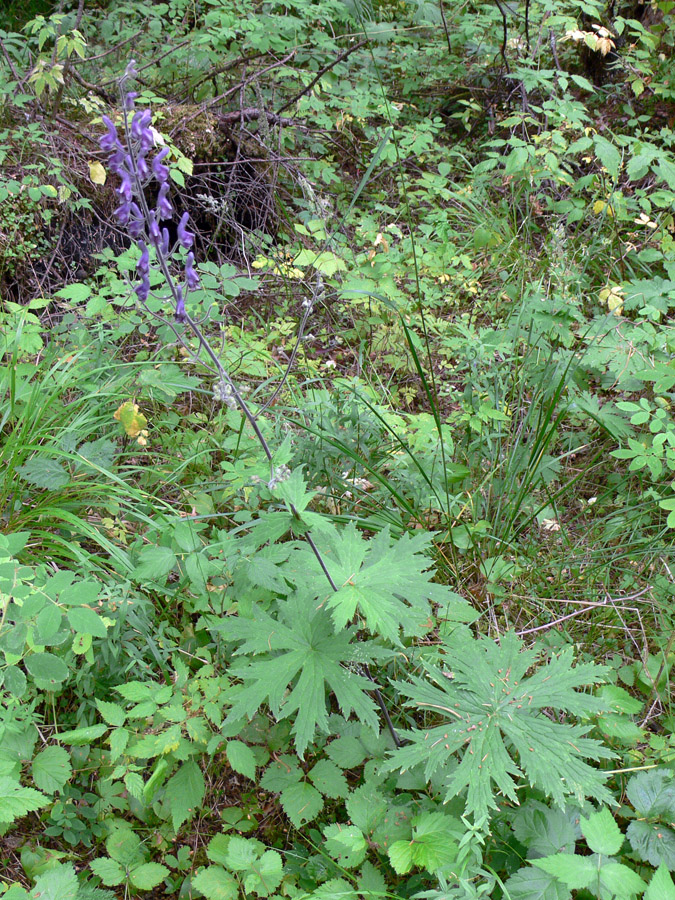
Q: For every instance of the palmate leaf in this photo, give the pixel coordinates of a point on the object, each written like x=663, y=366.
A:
x=299, y=650
x=386, y=583
x=494, y=720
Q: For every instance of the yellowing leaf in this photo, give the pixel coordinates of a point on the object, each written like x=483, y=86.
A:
x=598, y=207
x=97, y=173
x=133, y=421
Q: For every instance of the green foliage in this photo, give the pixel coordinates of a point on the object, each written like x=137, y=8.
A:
x=493, y=717
x=229, y=675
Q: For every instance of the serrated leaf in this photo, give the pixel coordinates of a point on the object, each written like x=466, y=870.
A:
x=387, y=583
x=215, y=883
x=110, y=872
x=264, y=874
x=51, y=769
x=661, y=886
x=653, y=842
x=78, y=737
x=602, y=833
x=327, y=778
x=495, y=722
x=608, y=154
x=59, y=883
x=185, y=792
x=346, y=752
x=112, y=713
x=45, y=473
x=614, y=879
x=281, y=773
x=297, y=657
x=301, y=803
x=433, y=844
x=401, y=857
x=531, y=884
x=15, y=681
x=576, y=872
x=16, y=800
x=154, y=563
x=240, y=853
x=148, y=876
x=346, y=844
x=47, y=668
x=544, y=831
x=124, y=846
x=118, y=740
x=652, y=793
x=86, y=621
x=241, y=758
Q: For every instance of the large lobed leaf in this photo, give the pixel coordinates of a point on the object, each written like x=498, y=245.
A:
x=294, y=660
x=494, y=720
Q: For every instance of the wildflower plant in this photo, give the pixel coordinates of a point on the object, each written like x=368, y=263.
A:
x=137, y=162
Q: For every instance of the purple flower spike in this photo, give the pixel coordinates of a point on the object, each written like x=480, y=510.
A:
x=109, y=140
x=123, y=212
x=143, y=289
x=165, y=241
x=191, y=273
x=180, y=314
x=125, y=189
x=185, y=237
x=164, y=208
x=135, y=226
x=161, y=171
x=143, y=264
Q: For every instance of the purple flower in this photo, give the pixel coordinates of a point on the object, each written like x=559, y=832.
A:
x=125, y=189
x=164, y=208
x=143, y=264
x=129, y=100
x=185, y=237
x=116, y=161
x=143, y=289
x=123, y=212
x=180, y=314
x=165, y=241
x=161, y=171
x=191, y=273
x=135, y=227
x=109, y=140
x=153, y=229
x=142, y=166
x=141, y=131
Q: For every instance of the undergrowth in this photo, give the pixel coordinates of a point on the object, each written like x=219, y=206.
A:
x=337, y=450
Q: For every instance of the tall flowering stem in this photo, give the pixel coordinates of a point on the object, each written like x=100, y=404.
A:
x=137, y=162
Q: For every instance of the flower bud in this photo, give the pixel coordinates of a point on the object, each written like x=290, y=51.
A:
x=180, y=314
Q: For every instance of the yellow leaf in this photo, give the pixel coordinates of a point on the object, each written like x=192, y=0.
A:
x=598, y=207
x=97, y=173
x=133, y=421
